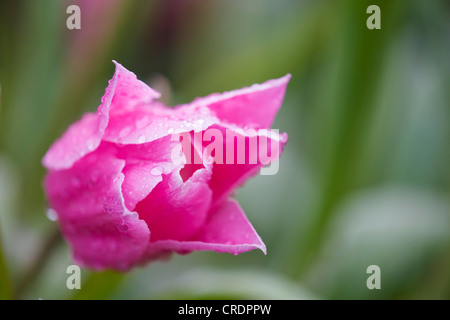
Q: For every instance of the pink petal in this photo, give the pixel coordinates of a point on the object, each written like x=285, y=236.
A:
x=175, y=209
x=226, y=230
x=81, y=138
x=124, y=92
x=145, y=165
x=227, y=177
x=147, y=124
x=133, y=117
x=91, y=213
x=139, y=182
x=129, y=92
x=250, y=107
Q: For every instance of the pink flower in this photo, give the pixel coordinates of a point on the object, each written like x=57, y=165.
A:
x=124, y=193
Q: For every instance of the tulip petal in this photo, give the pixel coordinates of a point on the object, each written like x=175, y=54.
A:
x=147, y=124
x=91, y=212
x=176, y=209
x=226, y=230
x=145, y=165
x=129, y=92
x=81, y=138
x=226, y=177
x=251, y=107
x=124, y=92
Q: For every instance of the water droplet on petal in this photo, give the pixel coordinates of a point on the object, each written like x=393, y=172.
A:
x=90, y=145
x=51, y=214
x=116, y=179
x=141, y=139
x=170, y=130
x=122, y=227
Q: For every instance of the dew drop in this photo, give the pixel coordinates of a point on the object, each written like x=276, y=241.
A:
x=141, y=139
x=90, y=145
x=122, y=227
x=170, y=130
x=51, y=214
x=116, y=179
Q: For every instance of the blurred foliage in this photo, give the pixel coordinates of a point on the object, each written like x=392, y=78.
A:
x=364, y=178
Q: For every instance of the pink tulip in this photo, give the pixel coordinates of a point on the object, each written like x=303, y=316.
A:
x=124, y=191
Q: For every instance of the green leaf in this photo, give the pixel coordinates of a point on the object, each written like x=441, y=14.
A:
x=5, y=285
x=346, y=88
x=235, y=284
x=264, y=54
x=402, y=230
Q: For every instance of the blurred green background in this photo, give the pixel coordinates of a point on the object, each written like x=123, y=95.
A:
x=364, y=179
